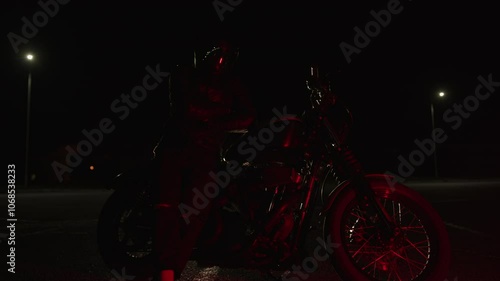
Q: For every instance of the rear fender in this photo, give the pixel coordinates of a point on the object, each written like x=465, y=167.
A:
x=130, y=178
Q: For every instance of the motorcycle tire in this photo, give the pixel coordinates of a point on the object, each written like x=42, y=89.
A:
x=125, y=231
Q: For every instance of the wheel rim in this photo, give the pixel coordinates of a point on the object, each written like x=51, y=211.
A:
x=404, y=256
x=135, y=229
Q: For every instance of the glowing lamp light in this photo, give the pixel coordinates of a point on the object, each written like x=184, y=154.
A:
x=29, y=57
x=91, y=168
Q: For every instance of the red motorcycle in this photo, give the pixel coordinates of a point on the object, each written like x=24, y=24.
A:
x=304, y=180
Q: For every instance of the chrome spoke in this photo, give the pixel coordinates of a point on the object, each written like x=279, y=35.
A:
x=404, y=257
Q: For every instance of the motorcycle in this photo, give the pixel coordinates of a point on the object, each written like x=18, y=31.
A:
x=306, y=179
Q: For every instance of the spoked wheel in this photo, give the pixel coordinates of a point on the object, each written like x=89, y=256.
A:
x=125, y=230
x=135, y=231
x=417, y=249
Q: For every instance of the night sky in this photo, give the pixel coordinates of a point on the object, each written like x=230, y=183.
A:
x=89, y=53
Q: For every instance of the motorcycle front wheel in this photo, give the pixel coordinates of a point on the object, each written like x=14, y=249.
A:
x=419, y=248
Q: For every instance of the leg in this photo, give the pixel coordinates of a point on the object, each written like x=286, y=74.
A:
x=167, y=236
x=204, y=161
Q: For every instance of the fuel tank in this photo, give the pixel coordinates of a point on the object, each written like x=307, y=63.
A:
x=278, y=141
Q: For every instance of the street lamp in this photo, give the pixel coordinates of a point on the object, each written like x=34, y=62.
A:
x=30, y=58
x=441, y=95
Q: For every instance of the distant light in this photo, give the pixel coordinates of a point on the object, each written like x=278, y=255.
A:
x=30, y=57
x=441, y=94
x=91, y=168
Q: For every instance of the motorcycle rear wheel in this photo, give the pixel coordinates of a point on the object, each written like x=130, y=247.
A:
x=125, y=229
x=419, y=250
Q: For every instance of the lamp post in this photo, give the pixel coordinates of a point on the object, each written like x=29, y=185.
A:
x=29, y=57
x=441, y=95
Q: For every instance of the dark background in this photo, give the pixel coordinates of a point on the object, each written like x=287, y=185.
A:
x=92, y=52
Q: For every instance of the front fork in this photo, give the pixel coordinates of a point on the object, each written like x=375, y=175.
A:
x=364, y=193
x=353, y=169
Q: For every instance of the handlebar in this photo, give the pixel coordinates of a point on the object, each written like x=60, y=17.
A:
x=321, y=94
